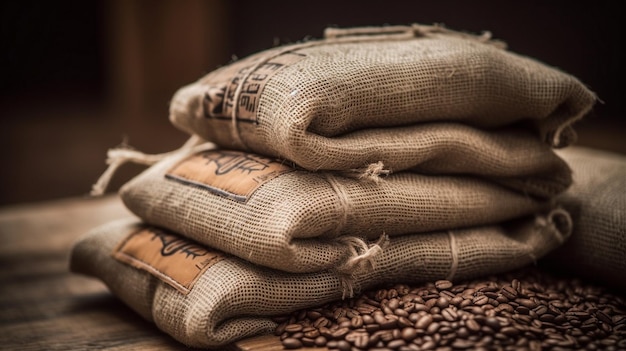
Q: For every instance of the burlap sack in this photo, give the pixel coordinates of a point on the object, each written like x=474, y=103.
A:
x=364, y=95
x=204, y=298
x=300, y=221
x=597, y=203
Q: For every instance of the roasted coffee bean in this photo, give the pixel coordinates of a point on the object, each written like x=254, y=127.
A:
x=345, y=324
x=472, y=325
x=462, y=344
x=395, y=344
x=424, y=322
x=525, y=312
x=449, y=314
x=314, y=333
x=292, y=343
x=340, y=333
x=393, y=303
x=480, y=300
x=493, y=323
x=358, y=339
x=509, y=292
x=443, y=284
x=388, y=323
x=306, y=341
x=343, y=345
x=408, y=334
x=404, y=322
x=356, y=322
x=443, y=302
x=432, y=328
x=293, y=328
x=529, y=304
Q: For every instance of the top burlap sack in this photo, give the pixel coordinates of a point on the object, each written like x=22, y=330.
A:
x=597, y=203
x=364, y=95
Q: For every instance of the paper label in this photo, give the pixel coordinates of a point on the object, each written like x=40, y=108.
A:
x=177, y=261
x=233, y=174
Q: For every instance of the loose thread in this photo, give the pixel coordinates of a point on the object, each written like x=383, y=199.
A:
x=559, y=225
x=362, y=259
x=454, y=250
x=119, y=156
x=372, y=172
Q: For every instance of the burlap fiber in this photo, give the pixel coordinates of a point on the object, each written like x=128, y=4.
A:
x=366, y=95
x=302, y=221
x=233, y=299
x=597, y=203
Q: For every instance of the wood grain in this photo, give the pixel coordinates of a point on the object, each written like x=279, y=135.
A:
x=43, y=306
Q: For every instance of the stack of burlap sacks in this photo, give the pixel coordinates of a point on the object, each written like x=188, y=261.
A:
x=318, y=169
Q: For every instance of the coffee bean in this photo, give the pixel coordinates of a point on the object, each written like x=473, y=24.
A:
x=424, y=322
x=604, y=318
x=400, y=312
x=345, y=323
x=404, y=322
x=408, y=334
x=388, y=323
x=509, y=331
x=449, y=314
x=443, y=302
x=395, y=344
x=432, y=328
x=312, y=333
x=306, y=341
x=292, y=343
x=293, y=328
x=480, y=300
x=358, y=339
x=505, y=307
x=509, y=292
x=529, y=304
x=475, y=310
x=496, y=313
x=340, y=333
x=429, y=345
x=356, y=322
x=462, y=344
x=472, y=325
x=343, y=345
x=443, y=284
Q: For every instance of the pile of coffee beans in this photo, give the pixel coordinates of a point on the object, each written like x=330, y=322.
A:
x=522, y=310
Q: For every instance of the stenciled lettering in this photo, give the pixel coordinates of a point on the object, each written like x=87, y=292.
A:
x=226, y=162
x=173, y=245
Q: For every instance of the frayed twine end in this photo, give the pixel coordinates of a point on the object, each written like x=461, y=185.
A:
x=362, y=259
x=119, y=156
x=373, y=172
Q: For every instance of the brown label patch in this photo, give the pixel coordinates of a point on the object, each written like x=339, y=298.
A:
x=175, y=260
x=233, y=174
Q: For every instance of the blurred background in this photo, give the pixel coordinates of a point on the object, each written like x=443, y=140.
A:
x=80, y=77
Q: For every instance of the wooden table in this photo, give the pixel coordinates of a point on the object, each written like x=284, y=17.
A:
x=43, y=306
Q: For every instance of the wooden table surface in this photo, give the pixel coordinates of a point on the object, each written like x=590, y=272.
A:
x=43, y=306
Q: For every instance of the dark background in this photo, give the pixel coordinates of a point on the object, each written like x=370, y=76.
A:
x=79, y=77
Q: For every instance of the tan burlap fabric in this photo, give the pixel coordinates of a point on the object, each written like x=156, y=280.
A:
x=368, y=95
x=597, y=203
x=300, y=221
x=230, y=299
